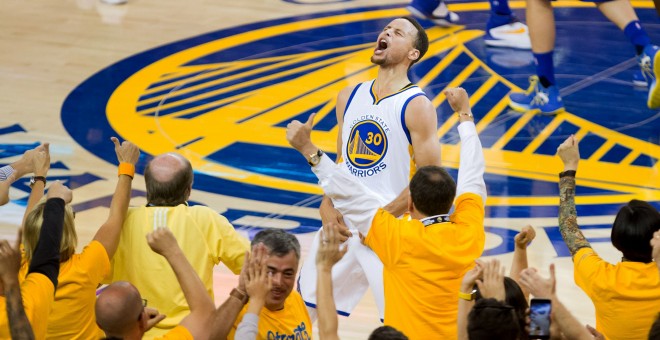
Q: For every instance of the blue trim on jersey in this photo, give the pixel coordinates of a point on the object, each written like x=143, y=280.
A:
x=350, y=98
x=309, y=304
x=403, y=116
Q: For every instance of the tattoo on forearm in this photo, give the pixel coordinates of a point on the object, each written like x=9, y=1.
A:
x=568, y=226
x=19, y=325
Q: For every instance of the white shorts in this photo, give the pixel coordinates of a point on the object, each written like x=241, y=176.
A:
x=359, y=269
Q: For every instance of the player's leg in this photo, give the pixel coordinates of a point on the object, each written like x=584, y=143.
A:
x=373, y=270
x=542, y=94
x=348, y=280
x=622, y=14
x=504, y=29
x=433, y=10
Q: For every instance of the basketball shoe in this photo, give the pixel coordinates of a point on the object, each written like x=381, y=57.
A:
x=440, y=16
x=649, y=63
x=513, y=34
x=537, y=98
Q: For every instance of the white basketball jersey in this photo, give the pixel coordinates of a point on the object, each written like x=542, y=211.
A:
x=376, y=144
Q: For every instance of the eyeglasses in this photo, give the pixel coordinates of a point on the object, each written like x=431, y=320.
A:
x=144, y=304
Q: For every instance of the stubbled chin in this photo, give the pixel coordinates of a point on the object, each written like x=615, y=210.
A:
x=376, y=59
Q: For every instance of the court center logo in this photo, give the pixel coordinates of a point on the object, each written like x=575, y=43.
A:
x=223, y=100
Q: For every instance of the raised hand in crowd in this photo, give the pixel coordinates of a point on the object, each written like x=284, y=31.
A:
x=569, y=153
x=258, y=281
x=330, y=251
x=491, y=285
x=30, y=162
x=521, y=241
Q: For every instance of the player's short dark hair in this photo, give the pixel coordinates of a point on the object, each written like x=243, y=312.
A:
x=421, y=40
x=633, y=228
x=279, y=242
x=432, y=190
x=492, y=319
x=387, y=333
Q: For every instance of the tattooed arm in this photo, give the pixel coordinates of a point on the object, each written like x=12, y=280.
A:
x=570, y=232
x=19, y=325
x=10, y=262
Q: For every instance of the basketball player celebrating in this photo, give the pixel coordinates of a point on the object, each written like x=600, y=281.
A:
x=387, y=128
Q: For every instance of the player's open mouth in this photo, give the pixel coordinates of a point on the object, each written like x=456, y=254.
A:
x=382, y=45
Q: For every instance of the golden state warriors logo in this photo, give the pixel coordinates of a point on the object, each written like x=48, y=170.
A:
x=223, y=100
x=367, y=145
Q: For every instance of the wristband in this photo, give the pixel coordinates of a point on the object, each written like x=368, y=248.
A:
x=569, y=173
x=468, y=296
x=242, y=297
x=127, y=169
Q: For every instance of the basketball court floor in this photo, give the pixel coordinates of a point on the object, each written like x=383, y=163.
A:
x=219, y=80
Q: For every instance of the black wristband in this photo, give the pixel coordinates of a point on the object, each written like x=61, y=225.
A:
x=569, y=173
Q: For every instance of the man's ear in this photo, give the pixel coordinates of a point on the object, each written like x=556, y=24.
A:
x=411, y=205
x=413, y=55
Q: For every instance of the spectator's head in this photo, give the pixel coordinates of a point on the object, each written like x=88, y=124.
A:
x=32, y=231
x=654, y=333
x=120, y=311
x=284, y=255
x=514, y=297
x=633, y=227
x=492, y=319
x=168, y=179
x=387, y=333
x=432, y=191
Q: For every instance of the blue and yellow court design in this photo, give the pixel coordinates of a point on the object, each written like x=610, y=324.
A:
x=223, y=100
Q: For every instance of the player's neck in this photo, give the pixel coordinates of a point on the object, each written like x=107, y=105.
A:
x=390, y=80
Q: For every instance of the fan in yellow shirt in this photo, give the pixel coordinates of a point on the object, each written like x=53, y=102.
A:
x=72, y=315
x=275, y=311
x=424, y=258
x=627, y=294
x=206, y=238
x=120, y=309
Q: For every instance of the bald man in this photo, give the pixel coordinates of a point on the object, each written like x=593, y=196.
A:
x=122, y=313
x=205, y=237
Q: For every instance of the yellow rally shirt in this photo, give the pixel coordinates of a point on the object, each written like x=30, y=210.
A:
x=205, y=237
x=626, y=295
x=291, y=322
x=37, y=293
x=424, y=266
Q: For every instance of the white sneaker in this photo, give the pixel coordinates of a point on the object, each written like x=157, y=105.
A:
x=515, y=35
x=441, y=16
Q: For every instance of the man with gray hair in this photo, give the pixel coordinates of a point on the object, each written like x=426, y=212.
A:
x=281, y=313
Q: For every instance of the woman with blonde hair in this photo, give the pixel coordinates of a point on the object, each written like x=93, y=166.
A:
x=72, y=315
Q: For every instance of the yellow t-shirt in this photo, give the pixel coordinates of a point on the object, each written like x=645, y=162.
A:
x=37, y=293
x=177, y=333
x=291, y=322
x=205, y=237
x=72, y=315
x=423, y=267
x=626, y=295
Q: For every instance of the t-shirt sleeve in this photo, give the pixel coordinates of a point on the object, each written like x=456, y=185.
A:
x=385, y=237
x=95, y=261
x=469, y=210
x=227, y=245
x=587, y=269
x=37, y=292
